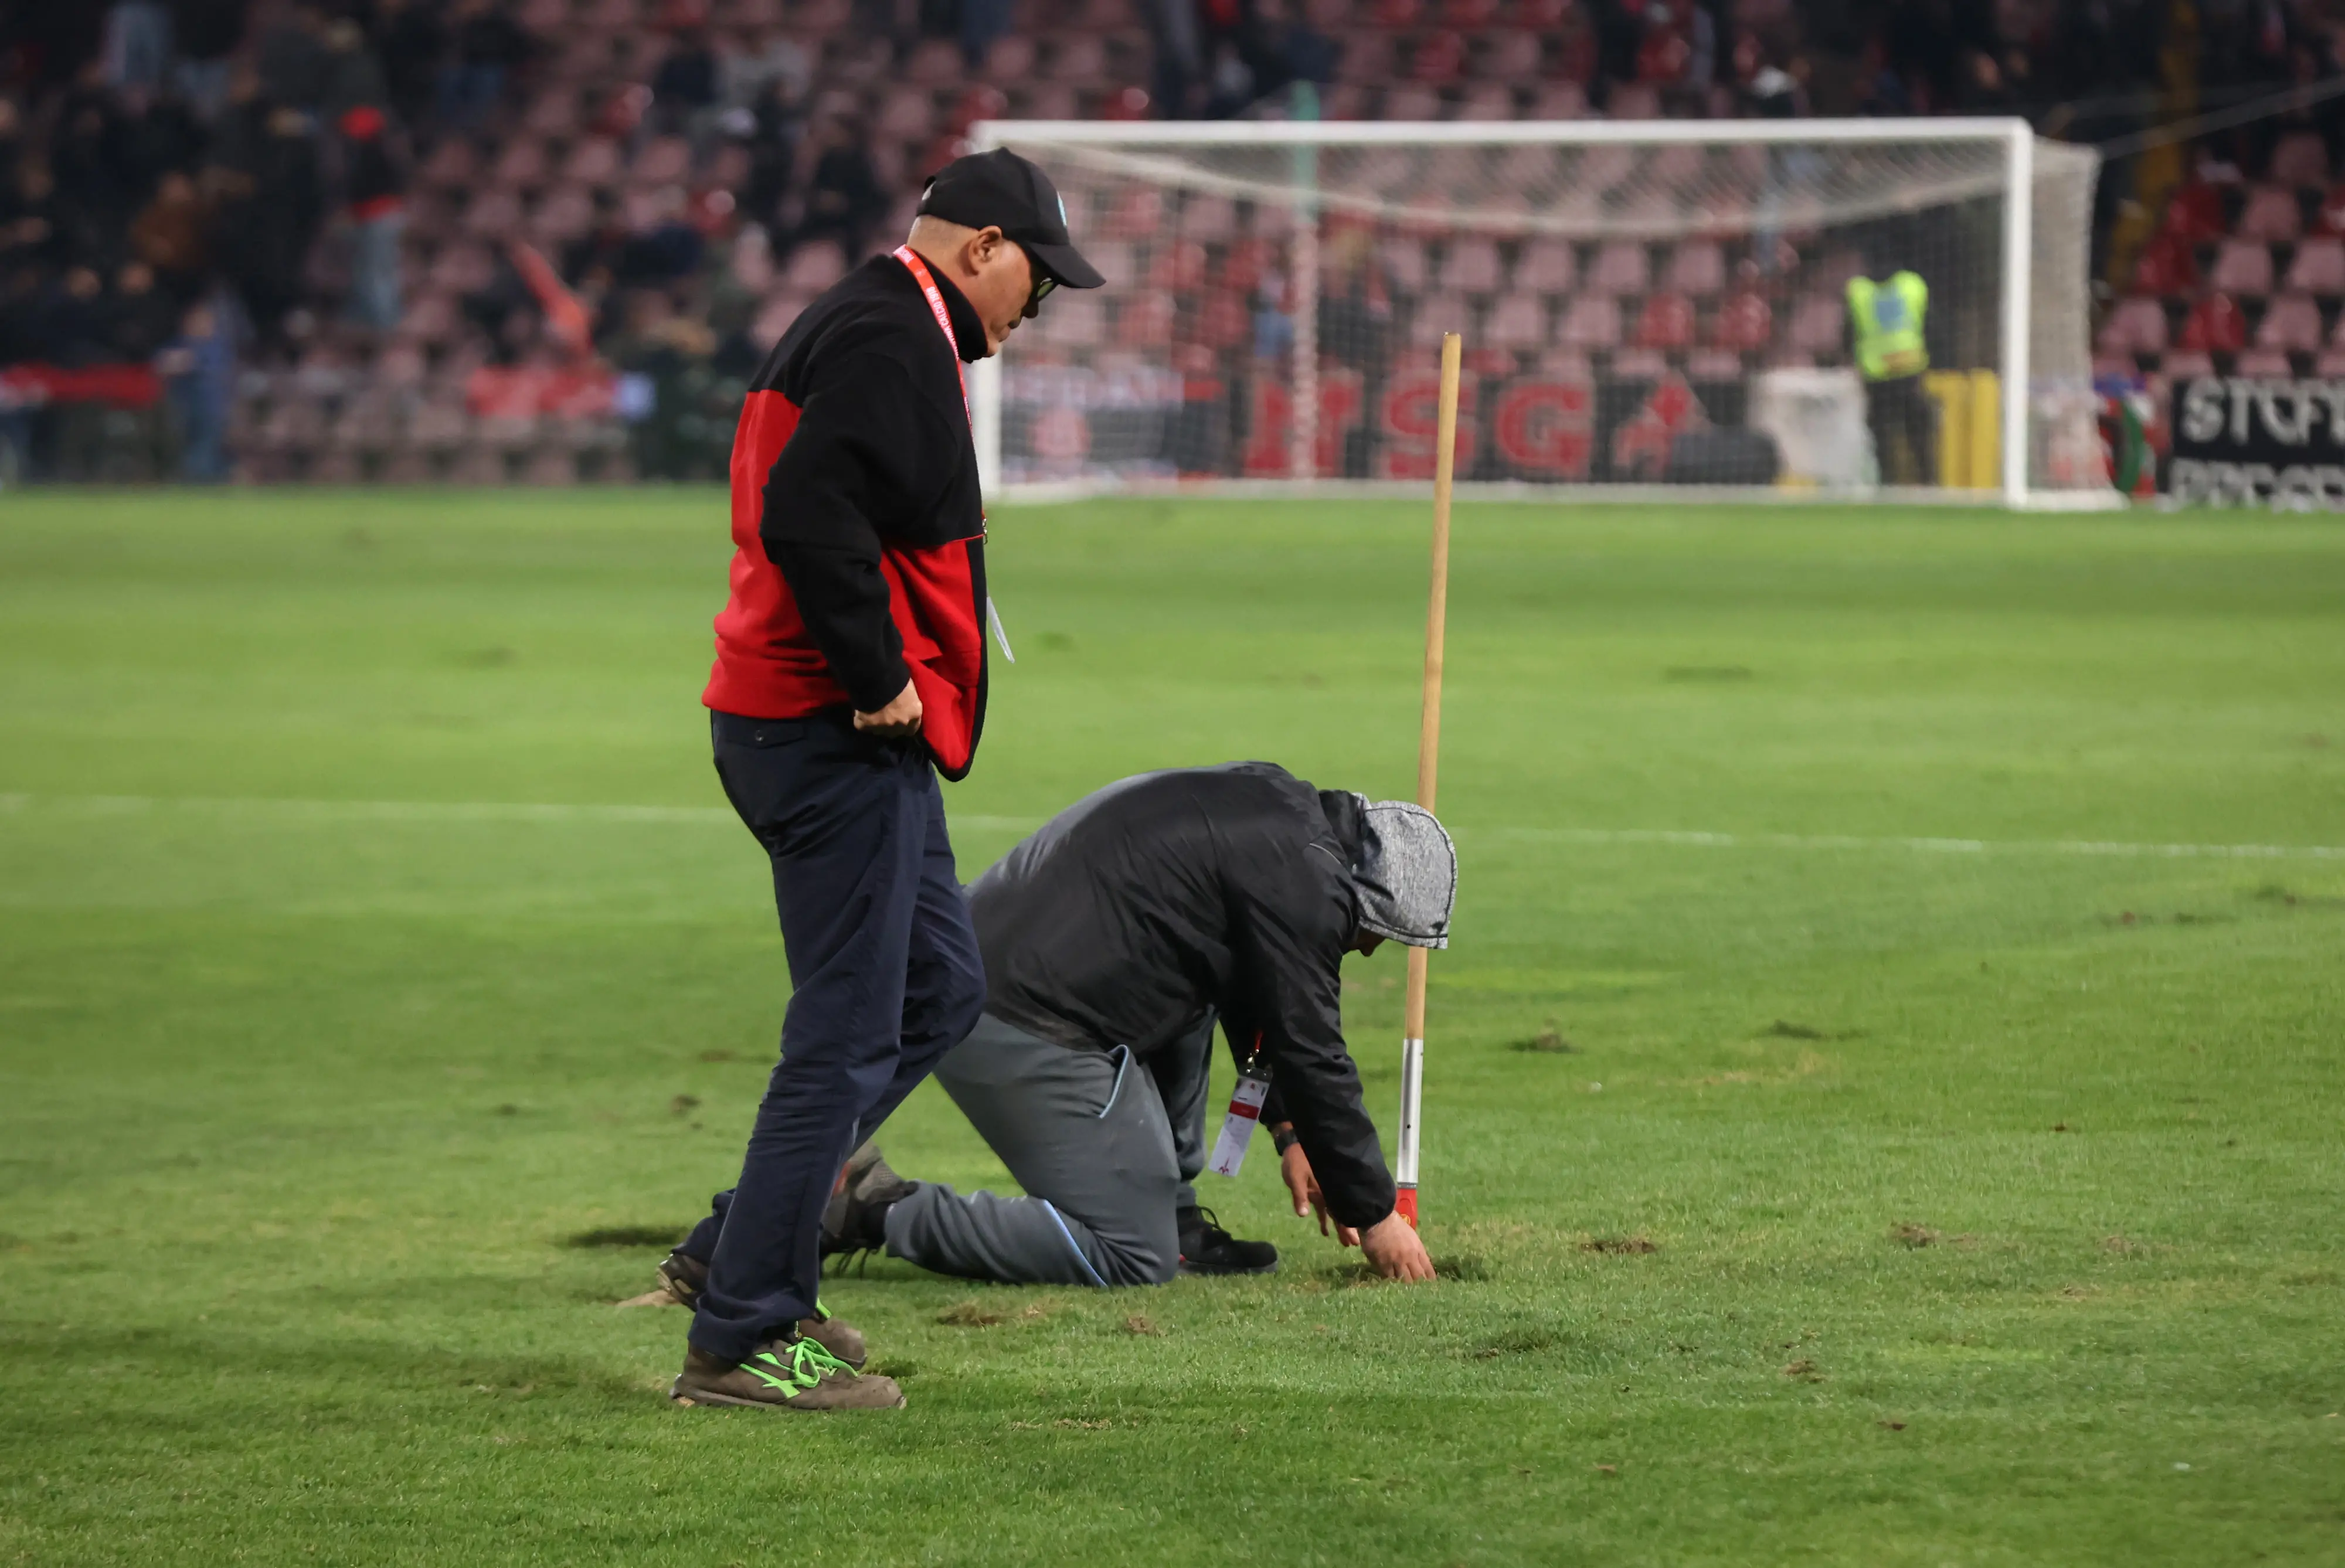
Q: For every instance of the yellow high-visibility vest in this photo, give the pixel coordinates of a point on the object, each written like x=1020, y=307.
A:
x=1888, y=322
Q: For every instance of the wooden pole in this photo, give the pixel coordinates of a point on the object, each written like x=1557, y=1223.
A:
x=1428, y=770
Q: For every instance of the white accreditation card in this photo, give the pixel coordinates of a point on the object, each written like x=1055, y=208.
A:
x=1237, y=1128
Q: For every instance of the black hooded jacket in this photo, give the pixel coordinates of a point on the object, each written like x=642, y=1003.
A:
x=1140, y=908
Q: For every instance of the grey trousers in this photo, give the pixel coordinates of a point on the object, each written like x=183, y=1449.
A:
x=1105, y=1147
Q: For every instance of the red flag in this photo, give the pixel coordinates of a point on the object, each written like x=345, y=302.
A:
x=564, y=312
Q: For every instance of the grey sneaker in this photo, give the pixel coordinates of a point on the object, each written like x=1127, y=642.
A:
x=856, y=1218
x=784, y=1374
x=682, y=1278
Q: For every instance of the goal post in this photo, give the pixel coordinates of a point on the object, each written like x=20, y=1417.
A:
x=1648, y=308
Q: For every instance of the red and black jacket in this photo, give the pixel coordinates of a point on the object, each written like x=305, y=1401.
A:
x=858, y=530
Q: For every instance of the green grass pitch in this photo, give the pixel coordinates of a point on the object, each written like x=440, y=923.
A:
x=382, y=976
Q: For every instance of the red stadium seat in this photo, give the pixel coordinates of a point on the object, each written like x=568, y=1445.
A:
x=1713, y=365
x=451, y=166
x=2292, y=321
x=1010, y=60
x=2317, y=267
x=2137, y=326
x=2215, y=326
x=1667, y=322
x=1589, y=321
x=593, y=162
x=1697, y=267
x=1411, y=101
x=2180, y=364
x=906, y=114
x=664, y=160
x=1177, y=269
x=814, y=268
x=2329, y=218
x=1403, y=260
x=1745, y=323
x=522, y=166
x=1512, y=55
x=1633, y=101
x=1438, y=314
x=1619, y=268
x=1546, y=265
x=1516, y=321
x=1364, y=57
x=1079, y=61
x=2271, y=216
x=1223, y=323
x=1136, y=213
x=2242, y=266
x=1471, y=266
x=1144, y=320
x=1559, y=101
x=1486, y=101
x=493, y=215
x=2263, y=362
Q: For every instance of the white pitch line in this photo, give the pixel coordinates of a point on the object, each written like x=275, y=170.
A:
x=559, y=812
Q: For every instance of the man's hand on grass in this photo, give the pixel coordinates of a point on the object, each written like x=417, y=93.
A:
x=899, y=720
x=1296, y=1166
x=1395, y=1250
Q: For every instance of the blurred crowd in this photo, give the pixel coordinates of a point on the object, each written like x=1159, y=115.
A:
x=190, y=188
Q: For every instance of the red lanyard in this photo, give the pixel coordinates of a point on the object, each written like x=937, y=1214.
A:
x=926, y=281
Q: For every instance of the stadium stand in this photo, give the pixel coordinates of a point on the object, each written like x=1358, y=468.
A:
x=545, y=241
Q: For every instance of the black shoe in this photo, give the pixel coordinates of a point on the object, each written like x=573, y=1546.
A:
x=683, y=1277
x=1207, y=1248
x=856, y=1218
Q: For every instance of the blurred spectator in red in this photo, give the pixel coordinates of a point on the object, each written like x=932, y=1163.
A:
x=376, y=189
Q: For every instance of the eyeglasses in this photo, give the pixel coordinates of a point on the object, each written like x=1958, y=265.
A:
x=1043, y=284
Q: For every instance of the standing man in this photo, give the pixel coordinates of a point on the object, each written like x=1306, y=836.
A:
x=1885, y=322
x=850, y=669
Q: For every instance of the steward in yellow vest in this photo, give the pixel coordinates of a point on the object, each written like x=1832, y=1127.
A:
x=1886, y=342
x=1887, y=321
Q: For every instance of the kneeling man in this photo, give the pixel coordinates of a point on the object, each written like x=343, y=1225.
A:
x=1112, y=939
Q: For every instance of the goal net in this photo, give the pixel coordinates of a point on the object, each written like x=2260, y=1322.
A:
x=1642, y=304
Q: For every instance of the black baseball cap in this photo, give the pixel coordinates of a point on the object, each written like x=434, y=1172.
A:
x=999, y=189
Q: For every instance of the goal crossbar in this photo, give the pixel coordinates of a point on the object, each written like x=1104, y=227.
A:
x=1152, y=153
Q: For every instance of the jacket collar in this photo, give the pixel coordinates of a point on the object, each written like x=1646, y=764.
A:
x=969, y=332
x=1342, y=809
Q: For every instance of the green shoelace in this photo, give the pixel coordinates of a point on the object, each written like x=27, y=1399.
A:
x=801, y=1365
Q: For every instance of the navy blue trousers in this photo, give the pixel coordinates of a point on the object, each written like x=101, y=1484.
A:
x=885, y=977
